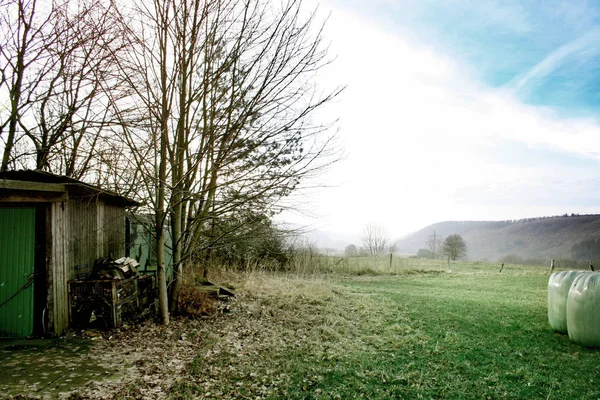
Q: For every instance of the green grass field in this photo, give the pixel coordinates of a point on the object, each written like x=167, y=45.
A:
x=417, y=332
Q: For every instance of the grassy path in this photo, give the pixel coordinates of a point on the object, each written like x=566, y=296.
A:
x=465, y=335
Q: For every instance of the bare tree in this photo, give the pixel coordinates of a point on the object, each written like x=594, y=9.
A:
x=455, y=247
x=211, y=102
x=223, y=98
x=434, y=244
x=55, y=61
x=374, y=239
x=24, y=42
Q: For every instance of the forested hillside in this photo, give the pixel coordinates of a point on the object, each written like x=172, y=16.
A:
x=574, y=237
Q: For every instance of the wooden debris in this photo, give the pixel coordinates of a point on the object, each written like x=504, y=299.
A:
x=214, y=290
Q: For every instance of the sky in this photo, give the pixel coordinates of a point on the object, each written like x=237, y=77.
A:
x=459, y=110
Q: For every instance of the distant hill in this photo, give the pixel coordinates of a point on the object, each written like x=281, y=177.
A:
x=533, y=238
x=323, y=239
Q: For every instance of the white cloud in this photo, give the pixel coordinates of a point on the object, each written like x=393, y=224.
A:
x=419, y=131
x=583, y=45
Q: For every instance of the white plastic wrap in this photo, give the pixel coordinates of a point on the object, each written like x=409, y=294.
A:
x=583, y=309
x=558, y=292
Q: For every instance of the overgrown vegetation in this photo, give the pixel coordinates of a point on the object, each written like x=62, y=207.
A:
x=194, y=302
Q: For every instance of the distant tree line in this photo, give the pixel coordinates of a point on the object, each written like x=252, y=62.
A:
x=533, y=219
x=453, y=247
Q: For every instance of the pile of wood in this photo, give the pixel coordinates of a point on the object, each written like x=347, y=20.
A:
x=123, y=268
x=116, y=293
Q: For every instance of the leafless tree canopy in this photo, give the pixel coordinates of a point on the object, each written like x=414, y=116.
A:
x=219, y=115
x=56, y=64
x=435, y=243
x=200, y=108
x=374, y=239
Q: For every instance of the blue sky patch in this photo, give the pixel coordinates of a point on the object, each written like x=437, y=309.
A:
x=556, y=42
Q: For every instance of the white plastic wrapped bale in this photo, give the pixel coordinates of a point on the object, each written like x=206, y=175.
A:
x=558, y=292
x=583, y=309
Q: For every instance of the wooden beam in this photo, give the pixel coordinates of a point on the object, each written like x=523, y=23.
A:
x=38, y=197
x=36, y=186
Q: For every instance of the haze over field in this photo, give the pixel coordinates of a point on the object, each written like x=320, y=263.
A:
x=460, y=111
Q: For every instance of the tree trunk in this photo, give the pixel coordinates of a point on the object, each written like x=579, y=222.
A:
x=15, y=95
x=162, y=173
x=160, y=227
x=163, y=300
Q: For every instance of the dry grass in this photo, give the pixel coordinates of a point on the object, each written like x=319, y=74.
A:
x=287, y=335
x=470, y=333
x=278, y=320
x=418, y=332
x=195, y=303
x=333, y=266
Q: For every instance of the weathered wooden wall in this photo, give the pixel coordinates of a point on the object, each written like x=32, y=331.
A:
x=81, y=232
x=83, y=241
x=113, y=229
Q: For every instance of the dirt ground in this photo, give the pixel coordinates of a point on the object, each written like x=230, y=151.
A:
x=46, y=367
x=136, y=361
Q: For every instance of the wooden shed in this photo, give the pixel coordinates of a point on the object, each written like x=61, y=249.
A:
x=52, y=229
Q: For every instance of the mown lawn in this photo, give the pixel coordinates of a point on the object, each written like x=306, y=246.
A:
x=467, y=334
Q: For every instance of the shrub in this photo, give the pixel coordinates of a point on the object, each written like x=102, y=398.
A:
x=195, y=302
x=424, y=253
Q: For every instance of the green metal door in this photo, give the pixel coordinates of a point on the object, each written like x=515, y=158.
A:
x=17, y=249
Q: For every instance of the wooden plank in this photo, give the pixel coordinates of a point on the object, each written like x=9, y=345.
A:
x=60, y=234
x=99, y=230
x=209, y=287
x=26, y=185
x=57, y=221
x=115, y=306
x=66, y=270
x=49, y=266
x=39, y=197
x=55, y=262
x=223, y=291
x=213, y=290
